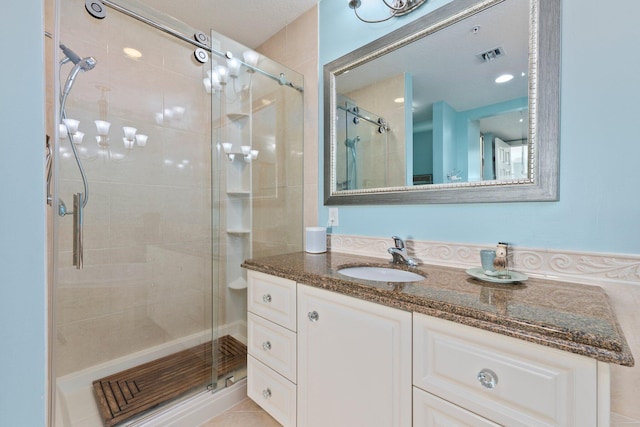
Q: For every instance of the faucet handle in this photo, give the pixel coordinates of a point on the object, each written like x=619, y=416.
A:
x=398, y=242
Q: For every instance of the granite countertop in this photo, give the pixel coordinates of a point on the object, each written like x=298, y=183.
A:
x=570, y=317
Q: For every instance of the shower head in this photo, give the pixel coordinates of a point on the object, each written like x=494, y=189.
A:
x=79, y=64
x=85, y=64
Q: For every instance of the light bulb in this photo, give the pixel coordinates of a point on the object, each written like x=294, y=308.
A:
x=77, y=137
x=254, y=154
x=141, y=140
x=178, y=112
x=234, y=67
x=251, y=58
x=226, y=146
x=129, y=132
x=207, y=84
x=128, y=143
x=102, y=127
x=103, y=141
x=222, y=73
x=72, y=125
x=245, y=149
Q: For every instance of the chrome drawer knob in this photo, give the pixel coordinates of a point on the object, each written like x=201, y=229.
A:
x=313, y=316
x=266, y=298
x=488, y=378
x=266, y=345
x=266, y=393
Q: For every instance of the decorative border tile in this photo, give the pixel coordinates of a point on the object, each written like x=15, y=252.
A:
x=583, y=267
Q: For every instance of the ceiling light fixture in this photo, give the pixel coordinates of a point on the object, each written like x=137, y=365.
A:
x=132, y=53
x=504, y=78
x=396, y=8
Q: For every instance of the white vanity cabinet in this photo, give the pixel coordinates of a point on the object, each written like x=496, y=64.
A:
x=319, y=358
x=354, y=362
x=502, y=379
x=271, y=344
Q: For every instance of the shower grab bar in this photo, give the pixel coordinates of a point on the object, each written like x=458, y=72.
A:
x=78, y=214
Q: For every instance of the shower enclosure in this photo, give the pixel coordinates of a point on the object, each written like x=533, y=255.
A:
x=193, y=163
x=370, y=155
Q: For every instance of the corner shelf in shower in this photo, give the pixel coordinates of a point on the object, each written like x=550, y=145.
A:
x=239, y=232
x=238, y=283
x=238, y=193
x=234, y=117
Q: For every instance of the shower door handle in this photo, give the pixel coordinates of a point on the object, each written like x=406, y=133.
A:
x=78, y=213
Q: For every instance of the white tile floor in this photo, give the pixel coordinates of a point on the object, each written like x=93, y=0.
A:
x=248, y=414
x=244, y=414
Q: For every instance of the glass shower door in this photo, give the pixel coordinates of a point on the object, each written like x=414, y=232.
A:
x=142, y=306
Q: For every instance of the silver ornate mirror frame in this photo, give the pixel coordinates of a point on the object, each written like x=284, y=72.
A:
x=544, y=113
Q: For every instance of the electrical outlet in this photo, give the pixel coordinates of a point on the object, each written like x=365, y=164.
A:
x=333, y=217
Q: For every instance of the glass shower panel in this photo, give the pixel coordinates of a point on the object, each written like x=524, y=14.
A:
x=259, y=131
x=150, y=223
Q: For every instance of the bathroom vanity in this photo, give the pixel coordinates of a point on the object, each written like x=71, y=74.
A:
x=326, y=349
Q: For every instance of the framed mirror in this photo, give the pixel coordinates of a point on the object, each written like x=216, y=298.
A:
x=459, y=106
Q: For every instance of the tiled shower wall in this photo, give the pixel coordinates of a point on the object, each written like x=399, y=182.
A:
x=296, y=46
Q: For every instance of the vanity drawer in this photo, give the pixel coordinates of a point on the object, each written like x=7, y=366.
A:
x=273, y=298
x=274, y=393
x=507, y=380
x=431, y=411
x=273, y=345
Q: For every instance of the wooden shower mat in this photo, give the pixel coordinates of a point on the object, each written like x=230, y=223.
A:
x=129, y=393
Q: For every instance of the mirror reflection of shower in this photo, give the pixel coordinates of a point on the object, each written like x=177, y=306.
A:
x=365, y=136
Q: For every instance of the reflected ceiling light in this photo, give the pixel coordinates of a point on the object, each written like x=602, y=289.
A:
x=504, y=78
x=141, y=140
x=233, y=65
x=396, y=8
x=132, y=53
x=77, y=137
x=399, y=100
x=251, y=58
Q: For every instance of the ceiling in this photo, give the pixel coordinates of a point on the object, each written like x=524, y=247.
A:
x=446, y=65
x=249, y=22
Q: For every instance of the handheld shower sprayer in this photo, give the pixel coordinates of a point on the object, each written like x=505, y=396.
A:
x=79, y=199
x=79, y=64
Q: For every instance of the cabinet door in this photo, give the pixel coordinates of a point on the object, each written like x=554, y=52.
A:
x=354, y=362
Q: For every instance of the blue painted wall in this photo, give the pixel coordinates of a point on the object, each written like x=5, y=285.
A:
x=599, y=207
x=22, y=216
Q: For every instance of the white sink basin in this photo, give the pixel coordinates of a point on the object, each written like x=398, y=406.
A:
x=381, y=274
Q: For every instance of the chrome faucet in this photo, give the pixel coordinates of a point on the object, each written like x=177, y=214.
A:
x=399, y=253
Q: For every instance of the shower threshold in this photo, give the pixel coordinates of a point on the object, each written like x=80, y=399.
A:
x=131, y=392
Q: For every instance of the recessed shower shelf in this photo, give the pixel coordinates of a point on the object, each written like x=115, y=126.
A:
x=238, y=231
